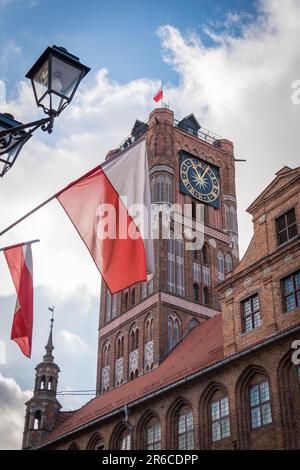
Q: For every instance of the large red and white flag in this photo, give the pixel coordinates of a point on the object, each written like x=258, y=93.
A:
x=19, y=260
x=110, y=208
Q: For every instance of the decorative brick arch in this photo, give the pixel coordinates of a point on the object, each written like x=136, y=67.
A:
x=172, y=414
x=204, y=410
x=95, y=440
x=242, y=400
x=116, y=434
x=146, y=418
x=287, y=386
x=74, y=446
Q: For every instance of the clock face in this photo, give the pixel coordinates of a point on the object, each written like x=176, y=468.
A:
x=199, y=180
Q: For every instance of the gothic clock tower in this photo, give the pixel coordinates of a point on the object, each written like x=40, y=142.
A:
x=139, y=326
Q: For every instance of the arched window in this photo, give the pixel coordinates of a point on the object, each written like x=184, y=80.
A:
x=74, y=446
x=50, y=383
x=143, y=290
x=125, y=301
x=205, y=254
x=37, y=420
x=134, y=338
x=196, y=292
x=161, y=189
x=205, y=296
x=180, y=289
x=185, y=429
x=124, y=440
x=153, y=435
x=192, y=323
x=132, y=296
x=150, y=286
x=43, y=382
x=96, y=443
x=114, y=305
x=220, y=425
x=120, y=346
x=173, y=331
x=105, y=354
x=220, y=266
x=233, y=221
x=228, y=263
x=197, y=255
x=107, y=305
x=149, y=329
x=260, y=404
x=171, y=263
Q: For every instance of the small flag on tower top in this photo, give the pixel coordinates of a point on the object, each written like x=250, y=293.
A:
x=159, y=95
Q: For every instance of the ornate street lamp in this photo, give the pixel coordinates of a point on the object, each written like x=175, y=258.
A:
x=55, y=78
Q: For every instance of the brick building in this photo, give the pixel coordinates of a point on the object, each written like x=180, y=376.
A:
x=199, y=357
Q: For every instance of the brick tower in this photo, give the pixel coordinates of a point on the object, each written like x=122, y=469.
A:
x=42, y=409
x=139, y=326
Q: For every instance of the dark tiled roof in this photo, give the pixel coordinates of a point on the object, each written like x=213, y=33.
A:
x=202, y=347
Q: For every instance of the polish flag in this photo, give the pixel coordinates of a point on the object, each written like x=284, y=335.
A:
x=159, y=95
x=19, y=260
x=110, y=207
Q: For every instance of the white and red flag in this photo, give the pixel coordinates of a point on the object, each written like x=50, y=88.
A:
x=19, y=260
x=159, y=95
x=110, y=208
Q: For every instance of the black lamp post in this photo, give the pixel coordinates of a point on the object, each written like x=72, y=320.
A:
x=55, y=78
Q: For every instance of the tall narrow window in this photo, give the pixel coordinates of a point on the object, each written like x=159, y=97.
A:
x=286, y=226
x=260, y=405
x=228, y=263
x=205, y=254
x=196, y=292
x=185, y=430
x=220, y=265
x=132, y=296
x=37, y=420
x=250, y=313
x=173, y=331
x=196, y=272
x=291, y=291
x=171, y=263
x=150, y=286
x=205, y=296
x=153, y=436
x=180, y=266
x=107, y=305
x=220, y=419
x=114, y=305
x=124, y=441
x=143, y=290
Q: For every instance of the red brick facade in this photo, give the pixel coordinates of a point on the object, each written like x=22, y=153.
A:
x=230, y=382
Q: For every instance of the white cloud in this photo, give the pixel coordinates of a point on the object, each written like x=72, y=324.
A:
x=12, y=413
x=72, y=342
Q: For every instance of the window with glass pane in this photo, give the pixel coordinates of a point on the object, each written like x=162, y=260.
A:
x=260, y=405
x=220, y=419
x=125, y=441
x=185, y=431
x=298, y=374
x=291, y=291
x=286, y=226
x=153, y=436
x=250, y=313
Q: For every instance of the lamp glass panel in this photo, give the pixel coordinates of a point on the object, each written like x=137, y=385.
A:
x=64, y=77
x=41, y=81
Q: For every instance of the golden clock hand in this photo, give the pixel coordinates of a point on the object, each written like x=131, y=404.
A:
x=206, y=170
x=195, y=168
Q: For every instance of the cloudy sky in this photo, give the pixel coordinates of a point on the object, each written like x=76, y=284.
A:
x=232, y=63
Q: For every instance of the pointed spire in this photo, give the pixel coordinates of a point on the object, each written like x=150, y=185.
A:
x=49, y=346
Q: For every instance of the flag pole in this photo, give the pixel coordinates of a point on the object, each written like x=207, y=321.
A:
x=162, y=95
x=19, y=244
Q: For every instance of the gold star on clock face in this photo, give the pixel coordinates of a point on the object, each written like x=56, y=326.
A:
x=200, y=179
